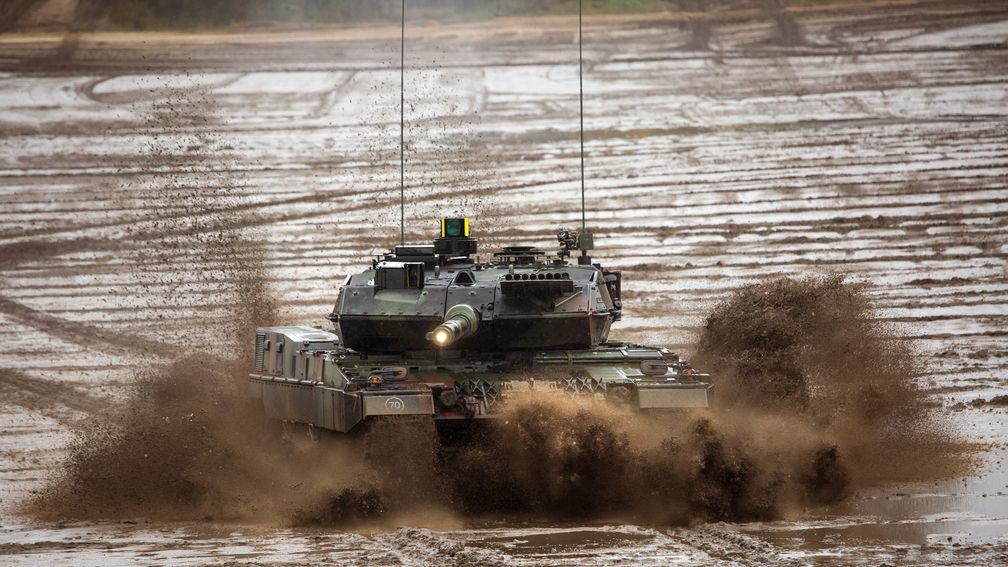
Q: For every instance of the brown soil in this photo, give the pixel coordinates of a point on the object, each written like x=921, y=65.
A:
x=871, y=142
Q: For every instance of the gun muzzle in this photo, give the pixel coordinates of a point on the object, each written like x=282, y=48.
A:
x=460, y=321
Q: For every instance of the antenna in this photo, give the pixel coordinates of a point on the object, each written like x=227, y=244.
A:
x=402, y=131
x=581, y=105
x=585, y=240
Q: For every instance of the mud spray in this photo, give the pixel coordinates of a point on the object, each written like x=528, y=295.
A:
x=815, y=398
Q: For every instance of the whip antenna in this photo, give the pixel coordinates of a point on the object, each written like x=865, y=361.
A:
x=585, y=241
x=581, y=112
x=402, y=132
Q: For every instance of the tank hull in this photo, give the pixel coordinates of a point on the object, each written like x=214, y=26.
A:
x=304, y=375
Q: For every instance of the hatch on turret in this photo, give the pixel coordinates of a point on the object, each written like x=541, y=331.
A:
x=399, y=275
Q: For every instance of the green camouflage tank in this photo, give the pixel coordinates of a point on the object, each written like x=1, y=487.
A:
x=431, y=331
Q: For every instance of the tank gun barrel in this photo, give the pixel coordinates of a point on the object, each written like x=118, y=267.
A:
x=461, y=321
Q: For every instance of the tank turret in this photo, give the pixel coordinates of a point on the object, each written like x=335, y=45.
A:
x=439, y=296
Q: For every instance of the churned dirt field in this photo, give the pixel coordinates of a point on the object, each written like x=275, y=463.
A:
x=150, y=181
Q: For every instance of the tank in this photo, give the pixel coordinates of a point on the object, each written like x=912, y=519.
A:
x=435, y=331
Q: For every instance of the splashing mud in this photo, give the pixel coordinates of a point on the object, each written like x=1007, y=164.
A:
x=557, y=457
x=814, y=349
x=187, y=444
x=816, y=398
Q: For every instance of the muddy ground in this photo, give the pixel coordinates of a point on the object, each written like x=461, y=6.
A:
x=867, y=138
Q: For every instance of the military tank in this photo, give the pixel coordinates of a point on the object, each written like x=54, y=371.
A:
x=434, y=331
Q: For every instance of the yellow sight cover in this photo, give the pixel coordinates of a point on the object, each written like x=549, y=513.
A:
x=454, y=224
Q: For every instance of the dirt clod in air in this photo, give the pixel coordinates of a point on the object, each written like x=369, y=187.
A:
x=342, y=507
x=194, y=248
x=827, y=480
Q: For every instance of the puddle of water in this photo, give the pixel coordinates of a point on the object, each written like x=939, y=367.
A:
x=553, y=542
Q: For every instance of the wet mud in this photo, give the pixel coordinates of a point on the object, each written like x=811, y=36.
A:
x=815, y=349
x=164, y=195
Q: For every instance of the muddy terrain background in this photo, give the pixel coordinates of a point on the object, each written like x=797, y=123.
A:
x=141, y=172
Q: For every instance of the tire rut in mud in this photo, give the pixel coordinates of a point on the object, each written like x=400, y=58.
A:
x=726, y=544
x=82, y=333
x=47, y=396
x=418, y=546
